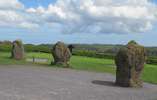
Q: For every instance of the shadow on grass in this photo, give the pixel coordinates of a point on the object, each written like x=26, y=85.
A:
x=104, y=83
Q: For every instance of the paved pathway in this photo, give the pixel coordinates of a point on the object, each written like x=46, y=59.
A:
x=45, y=83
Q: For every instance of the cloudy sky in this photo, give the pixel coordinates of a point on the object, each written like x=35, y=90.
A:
x=79, y=21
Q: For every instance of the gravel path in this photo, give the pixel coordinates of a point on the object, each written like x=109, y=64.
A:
x=45, y=83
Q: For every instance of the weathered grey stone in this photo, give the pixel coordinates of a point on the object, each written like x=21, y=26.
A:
x=17, y=50
x=61, y=54
x=130, y=63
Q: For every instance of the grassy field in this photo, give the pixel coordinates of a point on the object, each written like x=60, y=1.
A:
x=84, y=63
x=6, y=60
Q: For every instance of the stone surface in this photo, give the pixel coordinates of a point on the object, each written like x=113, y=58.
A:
x=17, y=50
x=130, y=62
x=61, y=54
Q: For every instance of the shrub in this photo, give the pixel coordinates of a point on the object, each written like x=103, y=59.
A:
x=5, y=47
x=152, y=60
x=93, y=54
x=37, y=48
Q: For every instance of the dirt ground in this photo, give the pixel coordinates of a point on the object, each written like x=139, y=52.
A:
x=45, y=83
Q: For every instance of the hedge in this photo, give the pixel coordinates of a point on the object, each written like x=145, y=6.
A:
x=93, y=54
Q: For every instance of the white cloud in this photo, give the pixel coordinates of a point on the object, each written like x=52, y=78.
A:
x=82, y=16
x=99, y=16
x=12, y=14
x=39, y=10
x=11, y=4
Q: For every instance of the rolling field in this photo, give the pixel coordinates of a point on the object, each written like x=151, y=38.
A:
x=84, y=63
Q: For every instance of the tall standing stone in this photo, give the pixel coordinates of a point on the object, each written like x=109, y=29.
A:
x=61, y=54
x=17, y=50
x=130, y=62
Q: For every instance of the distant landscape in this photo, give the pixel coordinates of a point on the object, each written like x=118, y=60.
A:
x=89, y=50
x=89, y=57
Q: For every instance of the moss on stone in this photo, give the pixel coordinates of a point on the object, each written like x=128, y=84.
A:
x=130, y=63
x=17, y=50
x=61, y=54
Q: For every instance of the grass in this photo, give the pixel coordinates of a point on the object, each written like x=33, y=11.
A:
x=82, y=63
x=150, y=74
x=92, y=64
x=6, y=60
x=85, y=63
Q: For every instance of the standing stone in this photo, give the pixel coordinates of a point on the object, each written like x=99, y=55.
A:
x=130, y=62
x=17, y=50
x=61, y=54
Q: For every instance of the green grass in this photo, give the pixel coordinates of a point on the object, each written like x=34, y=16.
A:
x=85, y=63
x=92, y=64
x=39, y=55
x=150, y=74
x=6, y=60
x=82, y=63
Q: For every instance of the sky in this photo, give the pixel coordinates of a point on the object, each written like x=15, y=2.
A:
x=79, y=21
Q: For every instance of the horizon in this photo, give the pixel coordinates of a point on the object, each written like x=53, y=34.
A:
x=82, y=22
x=74, y=43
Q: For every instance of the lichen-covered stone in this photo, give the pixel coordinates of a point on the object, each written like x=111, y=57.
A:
x=17, y=50
x=130, y=62
x=61, y=54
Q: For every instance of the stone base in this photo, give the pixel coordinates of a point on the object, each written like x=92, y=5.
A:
x=131, y=83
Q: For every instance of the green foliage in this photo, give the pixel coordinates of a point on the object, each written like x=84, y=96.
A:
x=5, y=47
x=132, y=42
x=37, y=48
x=152, y=60
x=93, y=54
x=29, y=48
x=96, y=51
